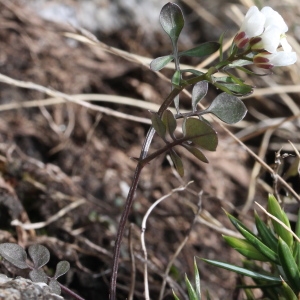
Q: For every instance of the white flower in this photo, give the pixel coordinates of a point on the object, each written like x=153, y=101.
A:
x=254, y=22
x=274, y=18
x=264, y=30
x=267, y=60
x=253, y=25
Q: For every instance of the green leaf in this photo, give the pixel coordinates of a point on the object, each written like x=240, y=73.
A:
x=191, y=291
x=197, y=280
x=195, y=72
x=160, y=62
x=245, y=248
x=261, y=247
x=275, y=209
x=158, y=125
x=239, y=63
x=62, y=268
x=15, y=254
x=177, y=162
x=235, y=79
x=227, y=108
x=198, y=93
x=200, y=133
x=288, y=292
x=171, y=20
x=265, y=233
x=249, y=294
x=39, y=254
x=289, y=265
x=242, y=271
x=227, y=79
x=201, y=50
x=236, y=89
x=176, y=79
x=196, y=152
x=169, y=121
x=296, y=254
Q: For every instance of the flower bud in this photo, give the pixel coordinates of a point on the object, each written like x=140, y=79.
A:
x=266, y=60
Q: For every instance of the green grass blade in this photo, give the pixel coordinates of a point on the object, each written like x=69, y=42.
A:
x=289, y=265
x=191, y=291
x=275, y=209
x=265, y=233
x=242, y=271
x=197, y=280
x=288, y=292
x=245, y=248
x=261, y=247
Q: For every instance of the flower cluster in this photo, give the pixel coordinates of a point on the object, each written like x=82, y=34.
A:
x=264, y=33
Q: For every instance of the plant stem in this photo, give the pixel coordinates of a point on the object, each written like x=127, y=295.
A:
x=130, y=197
x=71, y=293
x=142, y=162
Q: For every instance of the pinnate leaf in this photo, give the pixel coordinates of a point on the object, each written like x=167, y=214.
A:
x=158, y=125
x=200, y=133
x=160, y=62
x=177, y=162
x=196, y=152
x=171, y=20
x=234, y=89
x=228, y=108
x=169, y=121
x=176, y=79
x=39, y=254
x=199, y=92
x=201, y=50
x=15, y=254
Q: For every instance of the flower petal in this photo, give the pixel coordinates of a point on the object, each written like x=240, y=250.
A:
x=253, y=24
x=285, y=45
x=274, y=18
x=282, y=58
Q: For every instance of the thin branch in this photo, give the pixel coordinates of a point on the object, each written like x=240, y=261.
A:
x=143, y=229
x=52, y=219
x=180, y=247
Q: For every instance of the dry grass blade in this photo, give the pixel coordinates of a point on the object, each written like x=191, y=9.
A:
x=60, y=95
x=52, y=219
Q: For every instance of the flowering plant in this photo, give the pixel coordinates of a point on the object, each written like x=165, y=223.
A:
x=261, y=41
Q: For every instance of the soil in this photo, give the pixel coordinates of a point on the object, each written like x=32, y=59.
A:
x=67, y=158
